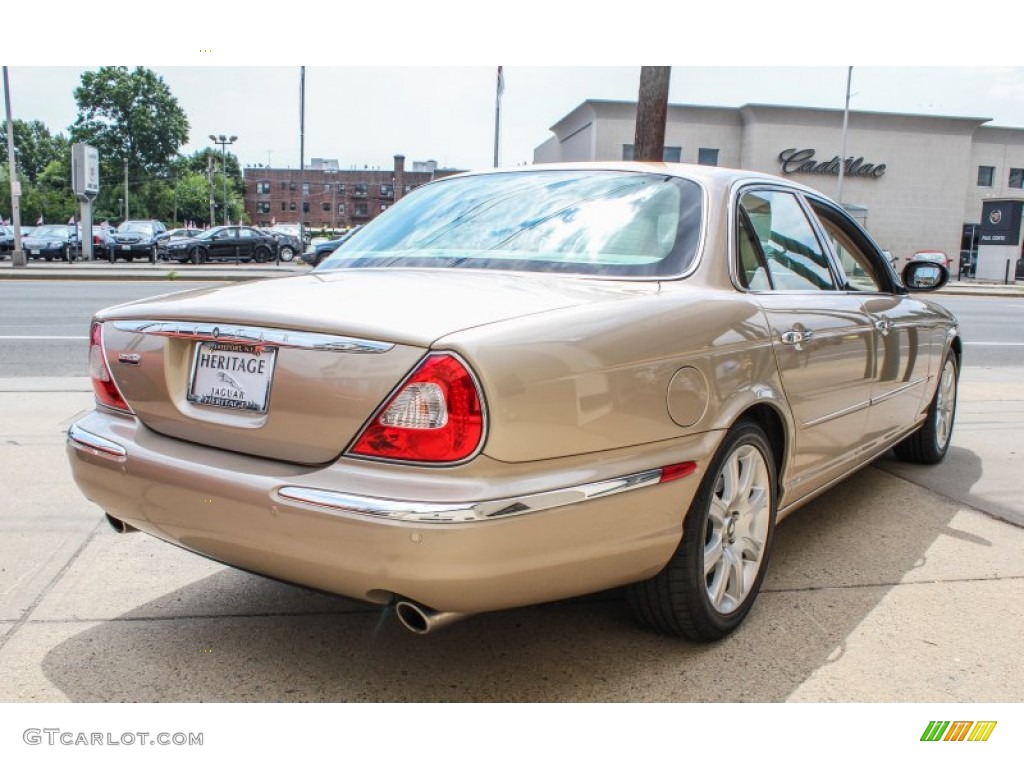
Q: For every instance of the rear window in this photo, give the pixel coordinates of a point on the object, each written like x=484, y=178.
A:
x=602, y=223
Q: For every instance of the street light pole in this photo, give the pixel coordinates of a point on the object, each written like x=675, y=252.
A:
x=224, y=141
x=18, y=255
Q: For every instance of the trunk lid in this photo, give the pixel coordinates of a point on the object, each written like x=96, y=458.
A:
x=291, y=369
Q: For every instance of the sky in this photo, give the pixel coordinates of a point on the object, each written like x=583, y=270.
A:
x=419, y=80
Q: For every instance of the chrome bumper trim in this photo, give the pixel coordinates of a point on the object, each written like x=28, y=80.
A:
x=250, y=334
x=469, y=512
x=96, y=445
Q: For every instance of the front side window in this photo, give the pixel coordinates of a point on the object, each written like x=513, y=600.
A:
x=1016, y=178
x=860, y=270
x=985, y=175
x=794, y=258
x=603, y=223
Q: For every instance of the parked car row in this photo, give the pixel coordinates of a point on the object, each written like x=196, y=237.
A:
x=149, y=239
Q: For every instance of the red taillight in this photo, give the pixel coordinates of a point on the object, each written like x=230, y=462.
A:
x=103, y=384
x=435, y=416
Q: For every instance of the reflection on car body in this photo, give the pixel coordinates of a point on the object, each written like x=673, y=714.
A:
x=523, y=385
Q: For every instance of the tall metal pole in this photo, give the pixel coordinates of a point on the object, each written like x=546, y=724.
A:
x=126, y=216
x=209, y=179
x=224, y=173
x=302, y=158
x=18, y=256
x=846, y=120
x=497, y=114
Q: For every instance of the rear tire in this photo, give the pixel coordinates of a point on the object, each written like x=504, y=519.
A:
x=710, y=584
x=929, y=444
x=286, y=253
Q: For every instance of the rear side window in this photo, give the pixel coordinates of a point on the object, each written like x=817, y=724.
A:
x=792, y=254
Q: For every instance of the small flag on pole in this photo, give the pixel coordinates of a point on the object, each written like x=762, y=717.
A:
x=71, y=221
x=501, y=82
x=39, y=221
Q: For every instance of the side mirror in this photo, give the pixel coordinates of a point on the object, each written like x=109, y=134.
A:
x=920, y=276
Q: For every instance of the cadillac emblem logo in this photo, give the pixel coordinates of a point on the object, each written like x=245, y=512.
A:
x=995, y=217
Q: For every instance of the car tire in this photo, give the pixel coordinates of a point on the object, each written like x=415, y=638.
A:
x=709, y=585
x=152, y=255
x=930, y=442
x=286, y=253
x=261, y=255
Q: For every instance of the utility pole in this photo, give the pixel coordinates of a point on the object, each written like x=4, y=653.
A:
x=846, y=122
x=18, y=255
x=209, y=178
x=651, y=114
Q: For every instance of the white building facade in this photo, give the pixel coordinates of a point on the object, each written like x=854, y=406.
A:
x=917, y=182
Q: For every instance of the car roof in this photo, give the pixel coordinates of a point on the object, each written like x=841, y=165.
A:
x=714, y=178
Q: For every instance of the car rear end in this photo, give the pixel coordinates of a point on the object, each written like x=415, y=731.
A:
x=351, y=455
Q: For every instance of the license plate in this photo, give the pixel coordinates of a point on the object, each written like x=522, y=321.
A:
x=126, y=247
x=34, y=251
x=236, y=376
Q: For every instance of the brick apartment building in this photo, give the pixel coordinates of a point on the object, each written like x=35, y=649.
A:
x=328, y=197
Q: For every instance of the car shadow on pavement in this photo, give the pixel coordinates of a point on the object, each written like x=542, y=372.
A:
x=236, y=637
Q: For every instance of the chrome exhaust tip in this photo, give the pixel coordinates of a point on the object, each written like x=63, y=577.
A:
x=421, y=620
x=120, y=525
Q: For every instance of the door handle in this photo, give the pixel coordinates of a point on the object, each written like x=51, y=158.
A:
x=883, y=325
x=795, y=338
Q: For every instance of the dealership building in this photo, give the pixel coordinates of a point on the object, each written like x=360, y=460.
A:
x=916, y=182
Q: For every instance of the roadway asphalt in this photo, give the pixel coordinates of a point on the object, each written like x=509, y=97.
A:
x=902, y=584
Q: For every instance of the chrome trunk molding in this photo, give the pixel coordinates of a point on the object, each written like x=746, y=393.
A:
x=468, y=512
x=256, y=335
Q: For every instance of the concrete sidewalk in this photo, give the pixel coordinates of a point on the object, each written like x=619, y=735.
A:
x=895, y=586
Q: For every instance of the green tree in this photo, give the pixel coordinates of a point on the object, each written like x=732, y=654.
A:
x=137, y=125
x=192, y=198
x=210, y=159
x=34, y=148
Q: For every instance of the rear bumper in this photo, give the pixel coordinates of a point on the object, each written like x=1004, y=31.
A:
x=504, y=536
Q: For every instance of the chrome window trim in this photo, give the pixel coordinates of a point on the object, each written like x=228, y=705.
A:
x=252, y=334
x=336, y=502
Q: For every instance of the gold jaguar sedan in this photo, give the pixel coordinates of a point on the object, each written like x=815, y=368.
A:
x=523, y=385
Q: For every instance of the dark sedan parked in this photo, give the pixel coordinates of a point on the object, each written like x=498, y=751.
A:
x=53, y=241
x=228, y=243
x=135, y=239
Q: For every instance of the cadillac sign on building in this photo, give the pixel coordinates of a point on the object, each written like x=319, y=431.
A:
x=802, y=161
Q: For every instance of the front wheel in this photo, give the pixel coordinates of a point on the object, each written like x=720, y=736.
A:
x=709, y=586
x=929, y=444
x=261, y=255
x=287, y=253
